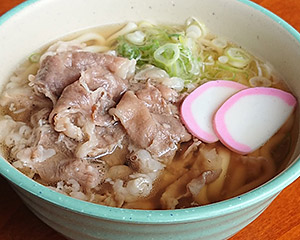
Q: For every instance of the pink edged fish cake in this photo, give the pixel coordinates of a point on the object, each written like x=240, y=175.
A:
x=251, y=117
x=199, y=107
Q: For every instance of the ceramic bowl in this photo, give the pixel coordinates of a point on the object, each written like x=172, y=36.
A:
x=37, y=22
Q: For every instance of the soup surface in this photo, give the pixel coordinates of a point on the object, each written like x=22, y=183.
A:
x=96, y=116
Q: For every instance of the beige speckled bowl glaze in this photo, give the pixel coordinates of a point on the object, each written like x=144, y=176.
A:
x=37, y=22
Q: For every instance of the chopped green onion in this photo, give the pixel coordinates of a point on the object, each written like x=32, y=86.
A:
x=219, y=42
x=163, y=47
x=237, y=57
x=175, y=35
x=228, y=68
x=184, y=53
x=223, y=59
x=129, y=51
x=34, y=58
x=193, y=31
x=200, y=32
x=167, y=54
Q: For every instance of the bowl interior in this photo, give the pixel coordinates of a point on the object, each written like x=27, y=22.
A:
x=243, y=22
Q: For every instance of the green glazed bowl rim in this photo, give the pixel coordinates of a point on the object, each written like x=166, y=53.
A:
x=268, y=190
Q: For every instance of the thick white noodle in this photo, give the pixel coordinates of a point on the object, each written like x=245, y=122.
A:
x=91, y=37
x=129, y=27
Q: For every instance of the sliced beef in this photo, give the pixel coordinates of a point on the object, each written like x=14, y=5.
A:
x=45, y=136
x=111, y=82
x=68, y=113
x=167, y=93
x=53, y=170
x=136, y=119
x=49, y=139
x=170, y=133
x=90, y=97
x=76, y=106
x=153, y=99
x=54, y=160
x=100, y=140
x=149, y=121
x=94, y=106
x=22, y=102
x=58, y=71
x=81, y=112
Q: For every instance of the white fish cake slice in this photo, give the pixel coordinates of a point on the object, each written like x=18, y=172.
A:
x=251, y=117
x=199, y=107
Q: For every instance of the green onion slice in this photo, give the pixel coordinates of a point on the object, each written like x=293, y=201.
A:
x=237, y=57
x=34, y=58
x=167, y=54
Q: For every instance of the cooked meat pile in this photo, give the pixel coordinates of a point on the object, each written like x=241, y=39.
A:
x=98, y=128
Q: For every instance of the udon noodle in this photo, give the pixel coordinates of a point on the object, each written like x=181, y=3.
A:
x=89, y=139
